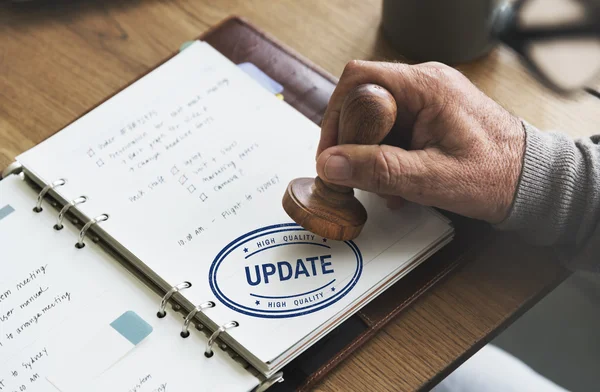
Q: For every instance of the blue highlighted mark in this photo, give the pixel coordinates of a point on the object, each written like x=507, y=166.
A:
x=132, y=327
x=6, y=211
x=261, y=77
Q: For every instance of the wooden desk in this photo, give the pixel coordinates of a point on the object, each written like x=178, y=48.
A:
x=57, y=61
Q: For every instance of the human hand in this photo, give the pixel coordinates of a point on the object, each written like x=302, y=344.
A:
x=465, y=153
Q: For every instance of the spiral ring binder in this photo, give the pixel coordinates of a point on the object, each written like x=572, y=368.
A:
x=163, y=303
x=211, y=341
x=84, y=229
x=186, y=323
x=63, y=211
x=59, y=182
x=268, y=383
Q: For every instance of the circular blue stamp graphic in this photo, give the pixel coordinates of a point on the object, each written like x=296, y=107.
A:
x=284, y=271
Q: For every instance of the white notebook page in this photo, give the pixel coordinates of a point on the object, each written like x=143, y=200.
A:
x=196, y=155
x=56, y=299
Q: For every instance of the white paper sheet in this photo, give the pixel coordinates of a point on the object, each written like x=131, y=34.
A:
x=57, y=299
x=196, y=155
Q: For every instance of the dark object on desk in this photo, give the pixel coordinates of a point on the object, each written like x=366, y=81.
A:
x=449, y=31
x=332, y=211
x=558, y=40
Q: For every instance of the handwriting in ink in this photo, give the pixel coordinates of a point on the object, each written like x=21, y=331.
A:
x=205, y=122
x=106, y=143
x=228, y=148
x=4, y=295
x=266, y=185
x=33, y=275
x=157, y=140
x=177, y=112
x=156, y=182
x=194, y=101
x=189, y=237
x=222, y=169
x=197, y=114
x=35, y=358
x=177, y=140
x=161, y=388
x=189, y=161
x=137, y=196
x=246, y=152
x=142, y=381
x=35, y=296
x=231, y=211
x=66, y=297
x=6, y=314
x=137, y=123
x=151, y=158
x=225, y=183
x=220, y=84
x=200, y=168
x=132, y=143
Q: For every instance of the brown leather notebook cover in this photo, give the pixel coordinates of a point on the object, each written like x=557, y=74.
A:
x=308, y=88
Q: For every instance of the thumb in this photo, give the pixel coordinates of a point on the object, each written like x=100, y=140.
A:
x=380, y=169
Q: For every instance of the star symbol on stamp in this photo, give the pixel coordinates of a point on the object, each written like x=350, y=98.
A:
x=257, y=302
x=245, y=250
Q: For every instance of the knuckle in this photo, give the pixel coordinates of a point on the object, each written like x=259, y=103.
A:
x=385, y=176
x=440, y=74
x=353, y=67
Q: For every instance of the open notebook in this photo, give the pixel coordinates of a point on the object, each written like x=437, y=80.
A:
x=182, y=174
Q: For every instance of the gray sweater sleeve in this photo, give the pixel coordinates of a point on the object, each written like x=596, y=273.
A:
x=557, y=202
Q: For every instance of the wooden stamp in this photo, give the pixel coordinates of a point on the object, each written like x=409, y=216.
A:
x=332, y=211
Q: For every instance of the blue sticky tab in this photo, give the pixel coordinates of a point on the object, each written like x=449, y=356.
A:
x=132, y=327
x=261, y=77
x=185, y=45
x=6, y=211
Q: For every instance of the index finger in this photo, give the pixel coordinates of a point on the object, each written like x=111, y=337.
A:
x=357, y=72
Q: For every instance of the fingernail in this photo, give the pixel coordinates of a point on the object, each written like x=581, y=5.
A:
x=337, y=168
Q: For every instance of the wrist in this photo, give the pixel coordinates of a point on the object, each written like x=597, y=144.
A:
x=512, y=160
x=550, y=192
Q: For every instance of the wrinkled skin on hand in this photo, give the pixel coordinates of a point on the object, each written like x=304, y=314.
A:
x=465, y=151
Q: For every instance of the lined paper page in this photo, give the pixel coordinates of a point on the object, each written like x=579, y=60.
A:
x=191, y=163
x=56, y=299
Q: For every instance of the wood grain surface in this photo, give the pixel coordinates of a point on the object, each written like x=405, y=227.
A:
x=59, y=58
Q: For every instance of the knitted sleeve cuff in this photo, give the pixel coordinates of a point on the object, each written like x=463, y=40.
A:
x=551, y=195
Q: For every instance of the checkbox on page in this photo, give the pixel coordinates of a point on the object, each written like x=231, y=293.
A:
x=183, y=179
x=191, y=188
x=174, y=170
x=100, y=162
x=203, y=196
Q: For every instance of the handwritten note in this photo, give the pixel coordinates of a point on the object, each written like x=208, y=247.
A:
x=196, y=155
x=32, y=303
x=56, y=300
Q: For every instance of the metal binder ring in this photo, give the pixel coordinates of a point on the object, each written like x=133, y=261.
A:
x=209, y=352
x=269, y=382
x=163, y=304
x=38, y=205
x=84, y=229
x=63, y=211
x=186, y=323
